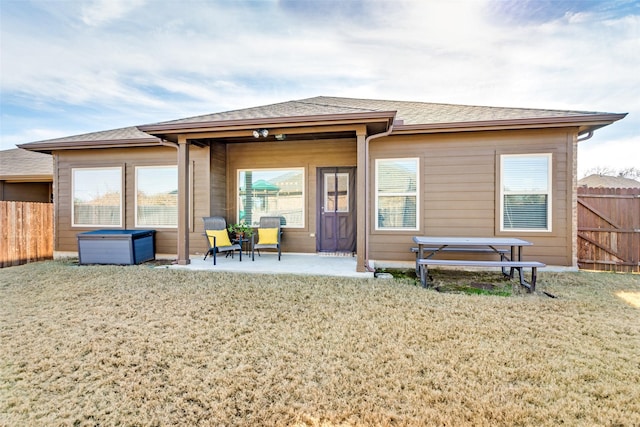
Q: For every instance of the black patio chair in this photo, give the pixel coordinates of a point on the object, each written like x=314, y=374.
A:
x=217, y=235
x=269, y=235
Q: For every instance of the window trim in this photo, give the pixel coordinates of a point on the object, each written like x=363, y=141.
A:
x=73, y=205
x=135, y=197
x=548, y=193
x=377, y=195
x=301, y=169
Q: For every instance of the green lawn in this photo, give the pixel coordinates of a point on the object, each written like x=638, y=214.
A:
x=108, y=345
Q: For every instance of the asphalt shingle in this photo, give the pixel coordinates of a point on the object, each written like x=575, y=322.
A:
x=18, y=163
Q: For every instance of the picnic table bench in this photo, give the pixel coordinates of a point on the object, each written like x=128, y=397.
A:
x=509, y=258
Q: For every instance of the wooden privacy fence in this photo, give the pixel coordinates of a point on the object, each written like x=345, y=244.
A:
x=609, y=229
x=26, y=230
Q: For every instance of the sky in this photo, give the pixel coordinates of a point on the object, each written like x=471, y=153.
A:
x=69, y=67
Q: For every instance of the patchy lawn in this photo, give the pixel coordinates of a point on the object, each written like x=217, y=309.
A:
x=108, y=345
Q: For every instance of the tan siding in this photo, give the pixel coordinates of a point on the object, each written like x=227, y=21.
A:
x=166, y=239
x=290, y=154
x=218, y=180
x=458, y=185
x=459, y=188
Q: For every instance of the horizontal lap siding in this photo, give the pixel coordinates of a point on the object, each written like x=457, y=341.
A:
x=165, y=238
x=459, y=185
x=290, y=154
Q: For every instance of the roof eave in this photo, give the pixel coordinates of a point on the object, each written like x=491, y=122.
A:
x=373, y=116
x=27, y=178
x=585, y=123
x=48, y=147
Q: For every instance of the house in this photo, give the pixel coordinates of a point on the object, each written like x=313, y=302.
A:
x=346, y=174
x=606, y=181
x=26, y=176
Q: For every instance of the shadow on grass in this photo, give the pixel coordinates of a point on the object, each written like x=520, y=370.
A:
x=456, y=281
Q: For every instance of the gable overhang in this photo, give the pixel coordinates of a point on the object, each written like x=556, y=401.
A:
x=26, y=178
x=50, y=146
x=586, y=123
x=370, y=122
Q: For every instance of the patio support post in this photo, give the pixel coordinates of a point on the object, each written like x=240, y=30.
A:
x=183, y=200
x=361, y=201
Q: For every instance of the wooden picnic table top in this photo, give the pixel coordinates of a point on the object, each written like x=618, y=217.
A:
x=470, y=241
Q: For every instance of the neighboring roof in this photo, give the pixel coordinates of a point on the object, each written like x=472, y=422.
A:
x=605, y=181
x=406, y=116
x=21, y=165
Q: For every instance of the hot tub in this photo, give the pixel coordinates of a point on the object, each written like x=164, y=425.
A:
x=116, y=246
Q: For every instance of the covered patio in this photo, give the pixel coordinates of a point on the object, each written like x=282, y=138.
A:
x=291, y=263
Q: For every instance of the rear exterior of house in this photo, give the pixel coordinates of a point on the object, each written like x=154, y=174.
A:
x=346, y=175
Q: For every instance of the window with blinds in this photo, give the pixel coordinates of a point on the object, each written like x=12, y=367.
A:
x=97, y=197
x=397, y=194
x=526, y=192
x=157, y=196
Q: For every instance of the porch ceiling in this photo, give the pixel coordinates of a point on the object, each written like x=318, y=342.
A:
x=299, y=137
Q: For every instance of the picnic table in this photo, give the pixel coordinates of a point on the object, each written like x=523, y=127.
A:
x=429, y=246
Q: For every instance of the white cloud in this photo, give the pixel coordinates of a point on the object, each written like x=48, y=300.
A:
x=99, y=12
x=173, y=59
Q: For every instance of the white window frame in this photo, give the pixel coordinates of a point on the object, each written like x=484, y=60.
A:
x=302, y=171
x=73, y=190
x=548, y=193
x=416, y=194
x=137, y=225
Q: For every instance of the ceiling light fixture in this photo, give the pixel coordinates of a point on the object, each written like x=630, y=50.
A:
x=260, y=133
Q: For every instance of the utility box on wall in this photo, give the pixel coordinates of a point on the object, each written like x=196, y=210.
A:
x=116, y=246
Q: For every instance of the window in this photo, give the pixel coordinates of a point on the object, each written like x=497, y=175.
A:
x=157, y=196
x=271, y=192
x=525, y=203
x=97, y=197
x=397, y=194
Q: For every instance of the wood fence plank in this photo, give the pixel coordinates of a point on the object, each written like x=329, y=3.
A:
x=609, y=229
x=27, y=232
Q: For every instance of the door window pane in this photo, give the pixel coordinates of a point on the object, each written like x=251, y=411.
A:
x=97, y=197
x=336, y=187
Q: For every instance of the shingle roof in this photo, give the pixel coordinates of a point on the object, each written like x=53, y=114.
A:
x=605, y=181
x=411, y=113
x=123, y=134
x=21, y=164
x=408, y=114
x=283, y=109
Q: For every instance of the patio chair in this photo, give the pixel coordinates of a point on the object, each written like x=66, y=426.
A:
x=269, y=235
x=215, y=229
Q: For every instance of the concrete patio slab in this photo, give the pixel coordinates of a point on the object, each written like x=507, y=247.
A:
x=267, y=263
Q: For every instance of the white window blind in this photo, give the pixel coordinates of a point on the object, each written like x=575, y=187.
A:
x=157, y=196
x=97, y=196
x=397, y=194
x=526, y=191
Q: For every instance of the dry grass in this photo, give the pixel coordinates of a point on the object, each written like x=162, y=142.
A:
x=140, y=346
